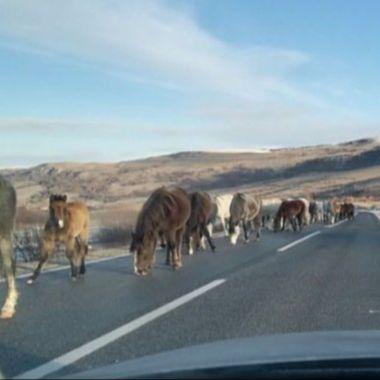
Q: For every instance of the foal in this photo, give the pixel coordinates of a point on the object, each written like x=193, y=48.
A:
x=68, y=223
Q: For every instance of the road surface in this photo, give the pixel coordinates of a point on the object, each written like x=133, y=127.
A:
x=320, y=279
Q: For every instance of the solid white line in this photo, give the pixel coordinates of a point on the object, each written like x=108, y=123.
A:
x=90, y=347
x=336, y=224
x=286, y=247
x=96, y=261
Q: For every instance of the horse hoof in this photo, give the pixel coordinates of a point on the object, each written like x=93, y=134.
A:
x=7, y=314
x=30, y=281
x=246, y=241
x=73, y=279
x=141, y=272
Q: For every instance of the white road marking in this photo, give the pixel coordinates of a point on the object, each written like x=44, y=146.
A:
x=374, y=311
x=286, y=247
x=63, y=267
x=90, y=347
x=336, y=224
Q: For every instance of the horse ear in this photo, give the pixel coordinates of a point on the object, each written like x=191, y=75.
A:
x=64, y=198
x=51, y=198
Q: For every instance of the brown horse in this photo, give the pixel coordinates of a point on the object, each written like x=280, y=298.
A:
x=292, y=211
x=164, y=214
x=347, y=211
x=68, y=223
x=7, y=217
x=201, y=210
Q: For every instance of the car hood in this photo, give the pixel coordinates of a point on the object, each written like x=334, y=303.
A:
x=258, y=350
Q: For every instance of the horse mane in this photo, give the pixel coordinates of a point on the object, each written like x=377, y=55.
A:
x=155, y=209
x=58, y=198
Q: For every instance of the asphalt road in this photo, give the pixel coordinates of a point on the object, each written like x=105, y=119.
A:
x=330, y=281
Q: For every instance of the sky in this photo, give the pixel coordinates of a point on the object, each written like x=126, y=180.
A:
x=94, y=80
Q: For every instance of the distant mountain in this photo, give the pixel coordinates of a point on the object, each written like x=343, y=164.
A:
x=347, y=168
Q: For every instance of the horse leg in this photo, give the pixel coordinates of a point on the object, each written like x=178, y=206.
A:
x=162, y=240
x=178, y=247
x=189, y=241
x=206, y=232
x=224, y=223
x=293, y=223
x=72, y=253
x=198, y=238
x=300, y=223
x=170, y=242
x=257, y=224
x=210, y=228
x=82, y=250
x=47, y=249
x=9, y=266
x=168, y=254
x=245, y=230
x=284, y=220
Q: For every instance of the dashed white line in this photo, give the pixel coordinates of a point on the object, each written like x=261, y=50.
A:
x=307, y=237
x=90, y=347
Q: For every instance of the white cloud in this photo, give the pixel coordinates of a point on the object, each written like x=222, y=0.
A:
x=149, y=41
x=245, y=96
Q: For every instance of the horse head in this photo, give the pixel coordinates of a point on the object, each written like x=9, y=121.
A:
x=143, y=246
x=57, y=210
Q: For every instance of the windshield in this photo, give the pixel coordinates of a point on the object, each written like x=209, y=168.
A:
x=174, y=173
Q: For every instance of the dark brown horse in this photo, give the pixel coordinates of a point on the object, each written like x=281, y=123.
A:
x=201, y=210
x=347, y=211
x=290, y=211
x=7, y=217
x=164, y=214
x=68, y=223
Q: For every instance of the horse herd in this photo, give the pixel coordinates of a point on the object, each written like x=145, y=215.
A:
x=176, y=217
x=170, y=215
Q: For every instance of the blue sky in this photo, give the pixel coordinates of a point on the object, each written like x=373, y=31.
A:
x=92, y=80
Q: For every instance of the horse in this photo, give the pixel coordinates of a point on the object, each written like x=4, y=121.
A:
x=246, y=210
x=313, y=211
x=335, y=211
x=196, y=228
x=328, y=212
x=320, y=211
x=292, y=211
x=7, y=217
x=165, y=214
x=268, y=211
x=68, y=224
x=223, y=203
x=347, y=211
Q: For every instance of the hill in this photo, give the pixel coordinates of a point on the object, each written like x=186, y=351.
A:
x=115, y=191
